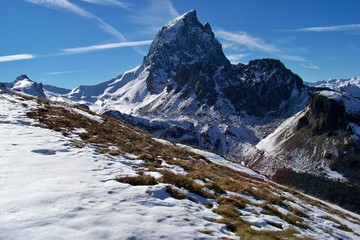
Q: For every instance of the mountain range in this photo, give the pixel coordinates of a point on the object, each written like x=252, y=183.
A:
x=260, y=114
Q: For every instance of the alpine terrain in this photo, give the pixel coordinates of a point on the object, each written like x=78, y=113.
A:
x=186, y=96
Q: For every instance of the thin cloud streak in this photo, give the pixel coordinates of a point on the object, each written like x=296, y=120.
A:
x=310, y=66
x=339, y=28
x=62, y=72
x=247, y=40
x=63, y=4
x=68, y=6
x=153, y=16
x=16, y=57
x=235, y=58
x=233, y=39
x=108, y=3
x=293, y=58
x=105, y=46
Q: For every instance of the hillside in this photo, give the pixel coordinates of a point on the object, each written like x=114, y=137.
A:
x=71, y=175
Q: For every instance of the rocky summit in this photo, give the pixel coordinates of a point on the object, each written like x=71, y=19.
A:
x=186, y=58
x=181, y=43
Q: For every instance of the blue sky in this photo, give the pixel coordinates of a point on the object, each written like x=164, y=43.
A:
x=67, y=43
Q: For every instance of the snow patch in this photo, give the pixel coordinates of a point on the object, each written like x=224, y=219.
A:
x=332, y=95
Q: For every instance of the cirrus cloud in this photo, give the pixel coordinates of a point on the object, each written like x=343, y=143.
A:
x=16, y=57
x=338, y=28
x=108, y=2
x=104, y=47
x=68, y=6
x=250, y=44
x=246, y=40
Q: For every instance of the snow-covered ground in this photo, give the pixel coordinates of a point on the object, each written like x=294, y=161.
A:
x=52, y=190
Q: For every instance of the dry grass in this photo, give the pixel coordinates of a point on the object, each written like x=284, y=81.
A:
x=182, y=181
x=138, y=180
x=175, y=193
x=290, y=218
x=340, y=225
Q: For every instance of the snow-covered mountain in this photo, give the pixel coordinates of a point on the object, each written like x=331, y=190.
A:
x=24, y=85
x=318, y=149
x=67, y=174
x=187, y=90
x=350, y=86
x=315, y=139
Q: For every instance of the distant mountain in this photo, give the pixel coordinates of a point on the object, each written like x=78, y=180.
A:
x=23, y=84
x=56, y=90
x=349, y=86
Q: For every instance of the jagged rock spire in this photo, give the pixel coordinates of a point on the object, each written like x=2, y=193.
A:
x=182, y=41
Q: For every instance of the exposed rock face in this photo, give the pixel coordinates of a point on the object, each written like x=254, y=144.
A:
x=186, y=58
x=183, y=41
x=2, y=86
x=262, y=86
x=324, y=115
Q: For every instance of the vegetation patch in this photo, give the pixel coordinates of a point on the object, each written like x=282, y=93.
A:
x=142, y=179
x=175, y=192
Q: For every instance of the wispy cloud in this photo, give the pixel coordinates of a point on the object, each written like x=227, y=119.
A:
x=16, y=57
x=235, y=58
x=339, y=28
x=62, y=72
x=108, y=2
x=309, y=66
x=63, y=4
x=68, y=6
x=153, y=16
x=293, y=58
x=249, y=43
x=246, y=40
x=104, y=47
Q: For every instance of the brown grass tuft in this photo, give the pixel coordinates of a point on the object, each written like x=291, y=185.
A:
x=138, y=180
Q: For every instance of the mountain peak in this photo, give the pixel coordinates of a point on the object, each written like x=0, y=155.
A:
x=189, y=16
x=25, y=85
x=22, y=77
x=183, y=41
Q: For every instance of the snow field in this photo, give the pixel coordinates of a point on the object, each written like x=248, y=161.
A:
x=51, y=190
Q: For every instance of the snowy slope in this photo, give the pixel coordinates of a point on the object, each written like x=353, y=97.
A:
x=51, y=190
